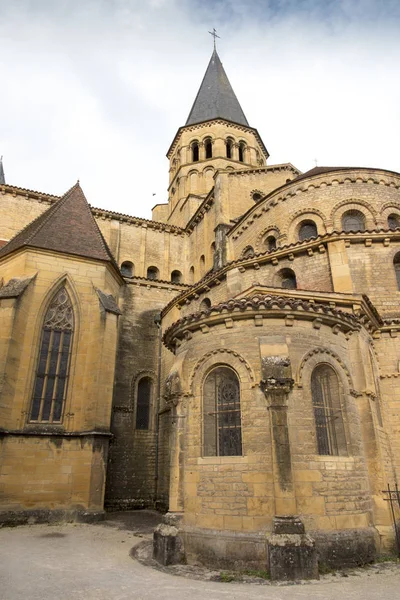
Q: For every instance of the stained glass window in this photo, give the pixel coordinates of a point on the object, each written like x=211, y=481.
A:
x=222, y=419
x=54, y=360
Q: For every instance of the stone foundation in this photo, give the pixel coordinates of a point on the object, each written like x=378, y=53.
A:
x=31, y=517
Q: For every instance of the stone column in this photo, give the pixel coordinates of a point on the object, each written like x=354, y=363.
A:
x=276, y=385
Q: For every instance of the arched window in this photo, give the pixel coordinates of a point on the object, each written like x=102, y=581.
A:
x=242, y=148
x=326, y=393
x=248, y=252
x=202, y=265
x=191, y=275
x=270, y=242
x=176, y=277
x=205, y=304
x=394, y=221
x=195, y=151
x=152, y=273
x=54, y=361
x=353, y=220
x=221, y=413
x=287, y=279
x=143, y=403
x=396, y=264
x=307, y=230
x=229, y=148
x=127, y=269
x=208, y=147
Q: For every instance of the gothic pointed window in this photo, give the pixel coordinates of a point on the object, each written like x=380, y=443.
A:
x=54, y=361
x=326, y=399
x=222, y=419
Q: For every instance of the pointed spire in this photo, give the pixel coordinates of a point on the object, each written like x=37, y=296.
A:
x=2, y=177
x=216, y=98
x=68, y=226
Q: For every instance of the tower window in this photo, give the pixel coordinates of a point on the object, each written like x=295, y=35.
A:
x=328, y=415
x=287, y=279
x=195, y=151
x=270, y=242
x=54, y=361
x=208, y=147
x=396, y=264
x=229, y=146
x=205, y=304
x=143, y=403
x=127, y=269
x=353, y=220
x=307, y=230
x=221, y=417
x=242, y=148
x=153, y=273
x=394, y=221
x=176, y=277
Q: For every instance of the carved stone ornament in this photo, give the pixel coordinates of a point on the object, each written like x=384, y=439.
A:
x=59, y=315
x=173, y=388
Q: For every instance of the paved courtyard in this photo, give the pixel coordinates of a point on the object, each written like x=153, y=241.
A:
x=93, y=562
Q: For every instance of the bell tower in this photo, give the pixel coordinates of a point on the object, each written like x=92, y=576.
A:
x=216, y=136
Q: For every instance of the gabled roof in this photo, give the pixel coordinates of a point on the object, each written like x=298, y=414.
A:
x=216, y=98
x=68, y=226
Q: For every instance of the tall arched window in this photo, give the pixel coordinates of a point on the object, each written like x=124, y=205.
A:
x=221, y=408
x=242, y=148
x=208, y=147
x=394, y=221
x=287, y=279
x=229, y=148
x=54, y=361
x=195, y=151
x=152, y=273
x=396, y=264
x=353, y=220
x=325, y=390
x=191, y=275
x=307, y=230
x=143, y=403
x=127, y=269
x=202, y=265
x=176, y=277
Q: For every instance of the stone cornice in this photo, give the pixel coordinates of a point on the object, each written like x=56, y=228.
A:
x=315, y=245
x=145, y=282
x=28, y=194
x=257, y=308
x=217, y=122
x=293, y=188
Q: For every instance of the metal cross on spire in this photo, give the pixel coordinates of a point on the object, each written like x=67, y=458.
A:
x=214, y=34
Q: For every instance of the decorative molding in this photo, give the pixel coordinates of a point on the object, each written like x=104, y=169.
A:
x=352, y=203
x=317, y=352
x=215, y=352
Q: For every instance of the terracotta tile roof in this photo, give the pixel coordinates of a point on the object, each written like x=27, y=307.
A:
x=67, y=226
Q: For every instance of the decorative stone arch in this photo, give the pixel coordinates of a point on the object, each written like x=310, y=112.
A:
x=388, y=209
x=318, y=356
x=307, y=214
x=219, y=357
x=390, y=205
x=270, y=230
x=365, y=208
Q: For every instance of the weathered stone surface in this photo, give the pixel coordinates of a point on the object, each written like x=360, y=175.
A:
x=292, y=557
x=167, y=545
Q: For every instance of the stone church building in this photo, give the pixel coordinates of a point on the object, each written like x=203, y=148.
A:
x=234, y=359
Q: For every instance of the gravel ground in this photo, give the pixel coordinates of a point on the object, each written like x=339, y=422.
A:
x=97, y=562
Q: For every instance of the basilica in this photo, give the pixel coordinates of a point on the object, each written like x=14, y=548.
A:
x=233, y=360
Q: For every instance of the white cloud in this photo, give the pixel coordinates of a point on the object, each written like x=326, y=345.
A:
x=96, y=90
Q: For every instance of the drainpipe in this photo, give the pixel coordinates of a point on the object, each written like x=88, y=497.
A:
x=157, y=321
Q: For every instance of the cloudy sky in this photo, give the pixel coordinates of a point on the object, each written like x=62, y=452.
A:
x=95, y=89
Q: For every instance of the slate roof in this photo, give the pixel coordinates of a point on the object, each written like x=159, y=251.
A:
x=67, y=226
x=216, y=98
x=2, y=176
x=15, y=287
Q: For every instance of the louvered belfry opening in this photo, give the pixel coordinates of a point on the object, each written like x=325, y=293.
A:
x=222, y=418
x=54, y=361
